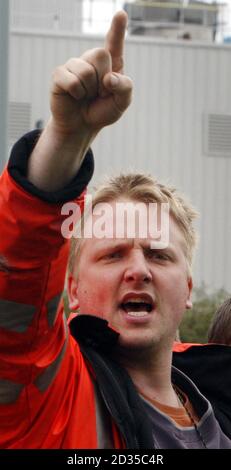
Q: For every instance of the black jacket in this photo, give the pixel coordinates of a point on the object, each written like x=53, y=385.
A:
x=209, y=367
x=124, y=404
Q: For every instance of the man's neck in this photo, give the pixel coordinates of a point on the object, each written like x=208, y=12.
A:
x=151, y=375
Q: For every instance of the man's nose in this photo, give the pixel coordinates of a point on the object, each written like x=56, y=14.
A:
x=137, y=269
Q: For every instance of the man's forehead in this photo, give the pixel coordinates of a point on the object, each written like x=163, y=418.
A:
x=127, y=219
x=108, y=243
x=174, y=240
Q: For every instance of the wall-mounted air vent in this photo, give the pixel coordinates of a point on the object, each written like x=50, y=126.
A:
x=19, y=120
x=217, y=135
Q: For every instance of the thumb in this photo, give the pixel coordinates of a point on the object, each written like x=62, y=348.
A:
x=121, y=87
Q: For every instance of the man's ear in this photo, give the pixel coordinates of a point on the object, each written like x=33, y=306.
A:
x=72, y=289
x=189, y=299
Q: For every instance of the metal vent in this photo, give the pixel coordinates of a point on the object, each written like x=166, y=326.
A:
x=19, y=120
x=217, y=135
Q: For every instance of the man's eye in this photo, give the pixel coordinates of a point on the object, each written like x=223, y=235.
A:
x=158, y=255
x=113, y=255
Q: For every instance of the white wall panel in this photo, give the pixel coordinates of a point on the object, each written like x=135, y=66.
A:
x=162, y=132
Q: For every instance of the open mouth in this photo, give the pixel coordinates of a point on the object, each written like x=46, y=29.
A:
x=137, y=307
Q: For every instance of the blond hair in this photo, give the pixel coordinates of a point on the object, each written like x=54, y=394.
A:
x=144, y=188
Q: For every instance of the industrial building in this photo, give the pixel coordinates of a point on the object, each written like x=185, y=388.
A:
x=177, y=128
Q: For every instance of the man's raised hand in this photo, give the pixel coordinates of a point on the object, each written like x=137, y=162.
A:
x=91, y=92
x=87, y=94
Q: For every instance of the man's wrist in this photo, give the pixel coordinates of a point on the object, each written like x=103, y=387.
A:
x=18, y=164
x=57, y=157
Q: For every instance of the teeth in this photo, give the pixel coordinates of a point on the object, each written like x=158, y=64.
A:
x=135, y=300
x=137, y=314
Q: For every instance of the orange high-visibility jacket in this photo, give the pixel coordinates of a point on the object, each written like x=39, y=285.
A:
x=46, y=391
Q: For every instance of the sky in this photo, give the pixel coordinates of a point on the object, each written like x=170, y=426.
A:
x=100, y=12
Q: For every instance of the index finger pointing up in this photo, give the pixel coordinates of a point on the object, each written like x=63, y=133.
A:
x=114, y=42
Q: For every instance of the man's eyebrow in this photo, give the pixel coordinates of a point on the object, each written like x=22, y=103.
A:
x=107, y=245
x=167, y=249
x=148, y=246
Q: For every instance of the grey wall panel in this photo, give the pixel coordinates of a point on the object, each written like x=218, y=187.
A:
x=175, y=85
x=4, y=74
